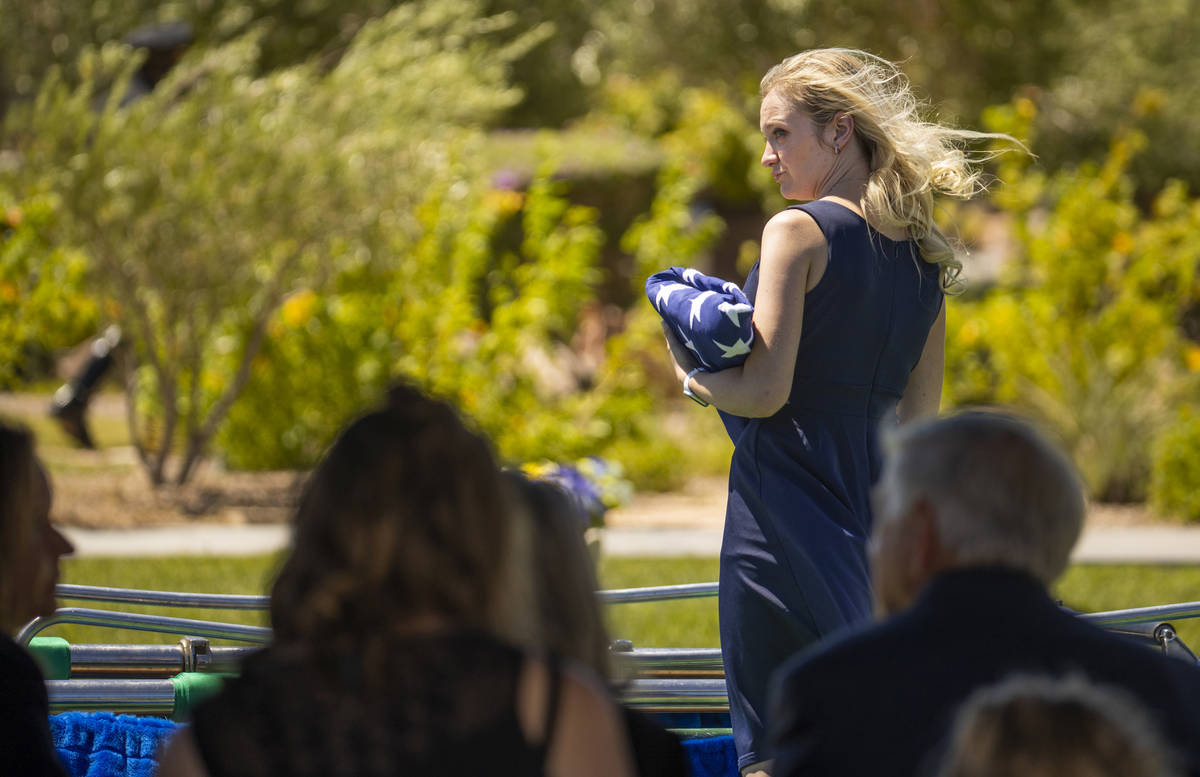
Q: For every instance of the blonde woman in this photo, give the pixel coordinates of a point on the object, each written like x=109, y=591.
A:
x=849, y=329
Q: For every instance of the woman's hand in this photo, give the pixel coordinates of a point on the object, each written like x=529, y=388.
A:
x=683, y=359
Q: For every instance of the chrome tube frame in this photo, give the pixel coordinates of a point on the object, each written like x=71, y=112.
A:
x=140, y=697
x=151, y=661
x=1158, y=613
x=672, y=662
x=94, y=593
x=669, y=695
x=162, y=624
x=659, y=593
x=668, y=679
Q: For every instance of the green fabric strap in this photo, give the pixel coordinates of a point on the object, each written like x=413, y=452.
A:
x=191, y=688
x=53, y=655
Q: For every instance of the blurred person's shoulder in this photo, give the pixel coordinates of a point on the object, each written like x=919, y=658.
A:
x=18, y=672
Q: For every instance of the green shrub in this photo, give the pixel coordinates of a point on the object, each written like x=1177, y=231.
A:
x=1175, y=482
x=43, y=304
x=205, y=203
x=1083, y=331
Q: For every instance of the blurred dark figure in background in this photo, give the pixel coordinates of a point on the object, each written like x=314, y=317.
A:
x=163, y=45
x=29, y=551
x=568, y=620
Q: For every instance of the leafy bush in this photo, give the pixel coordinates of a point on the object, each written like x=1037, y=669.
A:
x=482, y=310
x=1175, y=482
x=206, y=202
x=43, y=305
x=1084, y=331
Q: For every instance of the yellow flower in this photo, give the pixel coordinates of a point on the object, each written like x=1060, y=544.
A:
x=299, y=308
x=1122, y=242
x=968, y=334
x=1192, y=357
x=504, y=201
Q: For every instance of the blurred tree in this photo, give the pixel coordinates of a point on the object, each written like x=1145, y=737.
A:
x=38, y=34
x=203, y=204
x=965, y=55
x=1137, y=54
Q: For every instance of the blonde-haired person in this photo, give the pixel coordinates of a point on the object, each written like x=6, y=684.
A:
x=849, y=335
x=29, y=551
x=386, y=656
x=1039, y=726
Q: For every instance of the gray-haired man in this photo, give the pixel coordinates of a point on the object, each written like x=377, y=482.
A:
x=975, y=517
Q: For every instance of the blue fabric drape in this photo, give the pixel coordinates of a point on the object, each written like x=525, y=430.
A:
x=100, y=744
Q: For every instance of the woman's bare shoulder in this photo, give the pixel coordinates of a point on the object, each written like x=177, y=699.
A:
x=795, y=228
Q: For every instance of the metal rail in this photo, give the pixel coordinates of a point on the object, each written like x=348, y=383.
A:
x=660, y=593
x=158, y=696
x=672, y=662
x=95, y=593
x=668, y=695
x=154, y=661
x=611, y=596
x=142, y=622
x=134, y=697
x=1158, y=613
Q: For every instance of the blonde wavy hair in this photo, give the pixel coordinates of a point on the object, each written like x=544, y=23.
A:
x=911, y=160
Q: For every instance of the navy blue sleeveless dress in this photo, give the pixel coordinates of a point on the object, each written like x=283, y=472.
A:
x=793, y=557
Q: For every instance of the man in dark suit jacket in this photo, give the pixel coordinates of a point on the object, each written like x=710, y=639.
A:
x=975, y=517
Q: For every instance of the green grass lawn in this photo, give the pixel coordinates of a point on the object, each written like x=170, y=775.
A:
x=690, y=623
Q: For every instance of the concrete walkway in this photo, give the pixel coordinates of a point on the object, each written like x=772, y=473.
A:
x=1127, y=544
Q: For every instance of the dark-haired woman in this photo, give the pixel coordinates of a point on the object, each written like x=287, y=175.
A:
x=29, y=551
x=384, y=658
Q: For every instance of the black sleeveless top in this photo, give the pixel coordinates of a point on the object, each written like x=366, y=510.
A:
x=25, y=744
x=447, y=704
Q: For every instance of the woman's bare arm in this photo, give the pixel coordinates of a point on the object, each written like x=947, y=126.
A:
x=923, y=395
x=792, y=261
x=588, y=738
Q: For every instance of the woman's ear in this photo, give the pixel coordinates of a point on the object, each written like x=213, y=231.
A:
x=843, y=131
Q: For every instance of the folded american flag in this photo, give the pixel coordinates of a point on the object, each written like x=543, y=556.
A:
x=708, y=315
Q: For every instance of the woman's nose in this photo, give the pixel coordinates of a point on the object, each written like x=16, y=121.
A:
x=769, y=157
x=60, y=544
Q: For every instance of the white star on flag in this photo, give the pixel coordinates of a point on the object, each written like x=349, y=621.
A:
x=735, y=310
x=664, y=294
x=689, y=275
x=697, y=301
x=738, y=348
